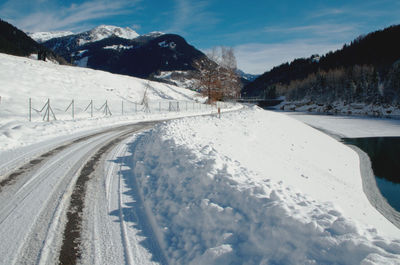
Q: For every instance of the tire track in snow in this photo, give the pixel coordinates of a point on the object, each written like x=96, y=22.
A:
x=116, y=229
x=28, y=216
x=33, y=204
x=71, y=250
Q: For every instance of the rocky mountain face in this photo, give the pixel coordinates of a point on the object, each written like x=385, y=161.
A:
x=123, y=51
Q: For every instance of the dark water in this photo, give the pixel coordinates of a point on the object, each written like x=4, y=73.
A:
x=384, y=153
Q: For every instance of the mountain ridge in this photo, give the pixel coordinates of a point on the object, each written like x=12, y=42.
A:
x=112, y=49
x=14, y=41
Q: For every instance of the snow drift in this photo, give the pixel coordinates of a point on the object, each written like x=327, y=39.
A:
x=258, y=187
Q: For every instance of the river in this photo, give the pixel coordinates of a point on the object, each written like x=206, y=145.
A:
x=384, y=153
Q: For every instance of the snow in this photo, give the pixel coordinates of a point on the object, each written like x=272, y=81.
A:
x=251, y=187
x=118, y=47
x=179, y=78
x=45, y=36
x=23, y=78
x=82, y=62
x=256, y=187
x=106, y=31
x=154, y=34
x=165, y=44
x=342, y=108
x=350, y=126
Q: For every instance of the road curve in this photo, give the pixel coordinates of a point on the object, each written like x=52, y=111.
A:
x=35, y=197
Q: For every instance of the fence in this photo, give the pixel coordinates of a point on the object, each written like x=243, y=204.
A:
x=60, y=109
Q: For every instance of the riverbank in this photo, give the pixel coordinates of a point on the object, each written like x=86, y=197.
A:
x=340, y=127
x=343, y=108
x=371, y=189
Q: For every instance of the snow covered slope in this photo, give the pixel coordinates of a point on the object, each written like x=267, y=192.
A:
x=23, y=78
x=258, y=187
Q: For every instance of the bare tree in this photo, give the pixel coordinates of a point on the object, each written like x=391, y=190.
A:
x=230, y=78
x=207, y=78
x=217, y=74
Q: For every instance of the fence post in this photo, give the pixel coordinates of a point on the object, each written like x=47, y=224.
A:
x=30, y=109
x=48, y=109
x=71, y=105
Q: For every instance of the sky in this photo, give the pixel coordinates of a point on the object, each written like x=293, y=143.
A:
x=263, y=33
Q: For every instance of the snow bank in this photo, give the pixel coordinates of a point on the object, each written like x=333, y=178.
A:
x=258, y=187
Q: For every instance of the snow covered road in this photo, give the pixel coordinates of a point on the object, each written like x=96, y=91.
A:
x=35, y=197
x=116, y=227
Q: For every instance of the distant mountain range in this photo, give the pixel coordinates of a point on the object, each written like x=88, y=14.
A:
x=367, y=70
x=157, y=56
x=123, y=51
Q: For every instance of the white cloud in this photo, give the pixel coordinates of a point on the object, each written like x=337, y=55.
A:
x=191, y=15
x=323, y=31
x=72, y=17
x=256, y=58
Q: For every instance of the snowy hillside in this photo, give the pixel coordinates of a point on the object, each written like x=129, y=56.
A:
x=23, y=78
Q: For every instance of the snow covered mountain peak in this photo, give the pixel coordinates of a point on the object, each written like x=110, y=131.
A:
x=106, y=31
x=45, y=36
x=154, y=34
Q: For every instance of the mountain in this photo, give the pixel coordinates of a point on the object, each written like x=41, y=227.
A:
x=366, y=70
x=123, y=51
x=41, y=37
x=15, y=42
x=246, y=76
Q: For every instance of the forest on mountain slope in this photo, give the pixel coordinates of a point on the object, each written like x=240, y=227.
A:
x=367, y=70
x=15, y=42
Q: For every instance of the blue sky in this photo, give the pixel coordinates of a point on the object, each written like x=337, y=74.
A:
x=263, y=33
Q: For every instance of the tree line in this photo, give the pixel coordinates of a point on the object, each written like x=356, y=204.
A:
x=359, y=83
x=365, y=70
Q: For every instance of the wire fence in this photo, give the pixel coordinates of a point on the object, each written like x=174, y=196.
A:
x=60, y=109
